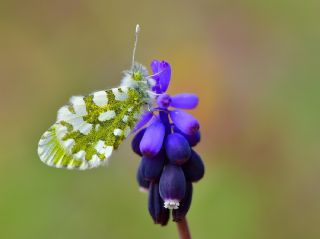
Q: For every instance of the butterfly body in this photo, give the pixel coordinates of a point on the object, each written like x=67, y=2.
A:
x=91, y=127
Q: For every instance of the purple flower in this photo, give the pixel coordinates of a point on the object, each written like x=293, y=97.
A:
x=181, y=101
x=172, y=186
x=184, y=121
x=184, y=101
x=152, y=139
x=194, y=168
x=161, y=74
x=151, y=168
x=169, y=165
x=177, y=148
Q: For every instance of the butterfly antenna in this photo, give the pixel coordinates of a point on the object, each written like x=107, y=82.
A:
x=135, y=43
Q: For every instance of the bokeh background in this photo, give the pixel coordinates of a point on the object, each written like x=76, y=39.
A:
x=255, y=66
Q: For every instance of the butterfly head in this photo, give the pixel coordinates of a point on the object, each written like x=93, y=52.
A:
x=139, y=72
x=137, y=77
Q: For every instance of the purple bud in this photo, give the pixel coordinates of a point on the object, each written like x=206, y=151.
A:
x=152, y=139
x=159, y=214
x=144, y=184
x=185, y=204
x=144, y=119
x=135, y=143
x=177, y=148
x=194, y=168
x=184, y=101
x=193, y=139
x=162, y=75
x=164, y=101
x=184, y=121
x=172, y=186
x=151, y=168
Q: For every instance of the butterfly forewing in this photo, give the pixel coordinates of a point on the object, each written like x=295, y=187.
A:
x=90, y=128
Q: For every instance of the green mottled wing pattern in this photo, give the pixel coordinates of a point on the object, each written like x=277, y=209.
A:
x=90, y=128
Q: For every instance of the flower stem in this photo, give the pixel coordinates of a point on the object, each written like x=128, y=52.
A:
x=183, y=229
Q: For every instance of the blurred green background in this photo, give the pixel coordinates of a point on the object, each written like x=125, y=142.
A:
x=255, y=66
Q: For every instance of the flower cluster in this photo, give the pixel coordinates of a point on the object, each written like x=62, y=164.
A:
x=169, y=165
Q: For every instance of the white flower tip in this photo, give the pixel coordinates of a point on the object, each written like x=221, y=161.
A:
x=171, y=204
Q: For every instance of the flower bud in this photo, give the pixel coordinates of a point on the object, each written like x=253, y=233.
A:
x=151, y=168
x=152, y=139
x=144, y=184
x=184, y=101
x=194, y=168
x=164, y=101
x=172, y=186
x=177, y=148
x=193, y=139
x=162, y=75
x=135, y=143
x=159, y=214
x=185, y=204
x=184, y=121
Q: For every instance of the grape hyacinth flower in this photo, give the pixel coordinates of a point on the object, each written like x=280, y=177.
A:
x=165, y=139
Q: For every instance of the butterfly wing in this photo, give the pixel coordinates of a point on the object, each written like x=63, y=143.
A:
x=90, y=128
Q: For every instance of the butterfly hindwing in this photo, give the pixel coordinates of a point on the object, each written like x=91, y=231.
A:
x=90, y=128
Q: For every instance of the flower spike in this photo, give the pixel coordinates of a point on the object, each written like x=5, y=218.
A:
x=169, y=165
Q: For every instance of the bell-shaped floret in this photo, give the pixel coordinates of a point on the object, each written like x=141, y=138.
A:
x=151, y=168
x=184, y=121
x=172, y=186
x=194, y=168
x=184, y=101
x=152, y=139
x=159, y=214
x=177, y=149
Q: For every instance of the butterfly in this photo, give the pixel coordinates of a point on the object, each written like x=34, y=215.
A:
x=91, y=127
